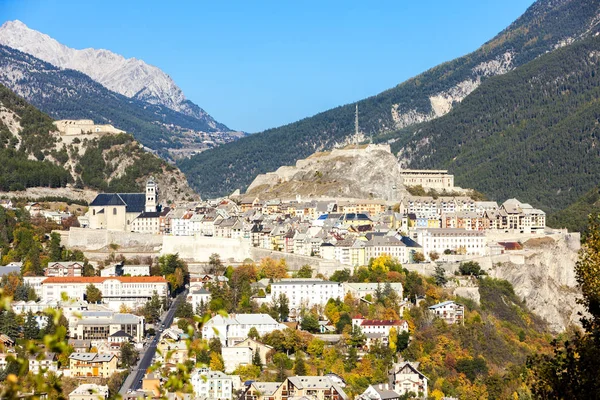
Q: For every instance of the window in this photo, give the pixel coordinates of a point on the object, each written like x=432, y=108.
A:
x=115, y=211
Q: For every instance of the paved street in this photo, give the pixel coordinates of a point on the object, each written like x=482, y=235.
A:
x=134, y=379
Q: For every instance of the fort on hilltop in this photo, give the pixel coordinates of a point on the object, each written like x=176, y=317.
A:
x=73, y=127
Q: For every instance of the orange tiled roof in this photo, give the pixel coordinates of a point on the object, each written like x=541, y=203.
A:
x=100, y=279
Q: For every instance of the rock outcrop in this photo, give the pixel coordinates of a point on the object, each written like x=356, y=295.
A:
x=546, y=280
x=367, y=171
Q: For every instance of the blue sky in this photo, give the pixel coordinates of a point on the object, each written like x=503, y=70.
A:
x=254, y=65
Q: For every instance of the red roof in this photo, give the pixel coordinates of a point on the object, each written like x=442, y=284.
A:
x=100, y=279
x=377, y=322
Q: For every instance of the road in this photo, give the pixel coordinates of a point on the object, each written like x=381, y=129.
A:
x=134, y=379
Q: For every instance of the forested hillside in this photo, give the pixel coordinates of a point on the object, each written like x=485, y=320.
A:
x=33, y=154
x=544, y=26
x=575, y=216
x=532, y=133
x=68, y=94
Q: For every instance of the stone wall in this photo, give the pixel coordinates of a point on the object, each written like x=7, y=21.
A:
x=200, y=248
x=96, y=239
x=295, y=261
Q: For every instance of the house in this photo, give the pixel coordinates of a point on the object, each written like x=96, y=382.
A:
x=235, y=327
x=175, y=350
x=260, y=391
x=214, y=385
x=256, y=346
x=306, y=292
x=120, y=337
x=197, y=297
x=449, y=311
x=236, y=356
x=92, y=364
x=390, y=245
x=378, y=331
x=89, y=391
x=406, y=378
x=47, y=363
x=361, y=290
x=381, y=391
x=151, y=383
x=64, y=268
x=514, y=216
x=126, y=270
x=313, y=387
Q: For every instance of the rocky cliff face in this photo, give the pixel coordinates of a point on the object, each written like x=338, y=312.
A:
x=127, y=76
x=368, y=171
x=546, y=280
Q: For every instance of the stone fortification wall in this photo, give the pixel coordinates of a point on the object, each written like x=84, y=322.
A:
x=295, y=261
x=200, y=248
x=96, y=239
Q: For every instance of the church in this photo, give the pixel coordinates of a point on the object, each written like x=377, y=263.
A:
x=129, y=212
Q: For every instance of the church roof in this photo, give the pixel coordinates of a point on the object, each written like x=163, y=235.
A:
x=134, y=202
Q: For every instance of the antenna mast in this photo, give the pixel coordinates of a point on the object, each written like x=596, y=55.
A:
x=356, y=126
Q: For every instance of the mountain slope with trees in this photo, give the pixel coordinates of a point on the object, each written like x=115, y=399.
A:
x=532, y=133
x=545, y=26
x=33, y=154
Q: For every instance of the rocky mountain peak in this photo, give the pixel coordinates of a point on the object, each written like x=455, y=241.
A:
x=130, y=77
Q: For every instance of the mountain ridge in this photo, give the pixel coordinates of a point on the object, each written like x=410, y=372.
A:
x=545, y=26
x=130, y=77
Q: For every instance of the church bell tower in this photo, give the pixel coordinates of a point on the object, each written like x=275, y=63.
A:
x=151, y=195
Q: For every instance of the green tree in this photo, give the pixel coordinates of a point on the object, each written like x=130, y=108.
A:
x=310, y=323
x=282, y=363
x=253, y=333
x=54, y=247
x=256, y=359
x=305, y=271
x=152, y=309
x=215, y=346
x=341, y=275
x=128, y=355
x=31, y=328
x=215, y=265
x=184, y=310
x=283, y=307
x=300, y=366
x=440, y=276
x=88, y=269
x=470, y=268
x=93, y=294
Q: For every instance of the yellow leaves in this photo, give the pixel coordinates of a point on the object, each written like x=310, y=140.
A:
x=216, y=362
x=380, y=264
x=272, y=269
x=437, y=394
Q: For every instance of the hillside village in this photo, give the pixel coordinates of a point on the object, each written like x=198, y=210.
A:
x=359, y=272
x=120, y=313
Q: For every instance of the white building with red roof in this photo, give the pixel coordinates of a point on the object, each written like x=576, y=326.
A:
x=131, y=291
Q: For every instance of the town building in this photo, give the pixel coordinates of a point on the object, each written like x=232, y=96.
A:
x=92, y=365
x=360, y=290
x=101, y=325
x=125, y=270
x=390, y=245
x=438, y=179
x=306, y=292
x=236, y=356
x=381, y=391
x=406, y=378
x=313, y=387
x=175, y=350
x=235, y=327
x=64, y=268
x=47, y=363
x=460, y=241
x=198, y=296
x=214, y=385
x=117, y=211
x=89, y=391
x=131, y=291
x=449, y=311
